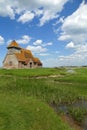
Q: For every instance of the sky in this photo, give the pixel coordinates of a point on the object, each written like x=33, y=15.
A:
x=54, y=30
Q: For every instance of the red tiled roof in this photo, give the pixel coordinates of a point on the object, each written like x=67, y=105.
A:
x=37, y=60
x=20, y=57
x=24, y=55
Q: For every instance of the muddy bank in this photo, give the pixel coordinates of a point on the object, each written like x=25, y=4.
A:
x=66, y=115
x=68, y=119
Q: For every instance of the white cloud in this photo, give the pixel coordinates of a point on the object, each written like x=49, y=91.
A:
x=45, y=10
x=38, y=12
x=1, y=40
x=41, y=43
x=36, y=49
x=77, y=58
x=48, y=15
x=61, y=20
x=74, y=59
x=24, y=40
x=70, y=45
x=64, y=37
x=6, y=9
x=47, y=44
x=38, y=42
x=39, y=47
x=26, y=17
x=44, y=54
x=74, y=27
x=52, y=10
x=81, y=49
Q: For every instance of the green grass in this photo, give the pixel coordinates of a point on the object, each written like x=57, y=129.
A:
x=78, y=114
x=33, y=72
x=26, y=113
x=25, y=100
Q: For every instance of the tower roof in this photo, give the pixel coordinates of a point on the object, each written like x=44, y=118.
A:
x=13, y=44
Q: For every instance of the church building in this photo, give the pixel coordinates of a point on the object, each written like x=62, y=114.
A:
x=17, y=58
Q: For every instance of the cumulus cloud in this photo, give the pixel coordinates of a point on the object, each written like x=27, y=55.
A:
x=74, y=27
x=41, y=43
x=6, y=9
x=81, y=49
x=70, y=45
x=26, y=17
x=38, y=42
x=45, y=10
x=75, y=59
x=48, y=15
x=38, y=12
x=47, y=44
x=64, y=37
x=24, y=40
x=1, y=40
x=36, y=49
x=44, y=54
x=39, y=47
x=51, y=10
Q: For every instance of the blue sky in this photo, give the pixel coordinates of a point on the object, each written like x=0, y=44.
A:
x=55, y=31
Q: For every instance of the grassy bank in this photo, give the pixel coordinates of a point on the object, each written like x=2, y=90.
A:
x=25, y=99
x=26, y=113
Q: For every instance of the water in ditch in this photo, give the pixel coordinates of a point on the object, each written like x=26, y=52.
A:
x=65, y=109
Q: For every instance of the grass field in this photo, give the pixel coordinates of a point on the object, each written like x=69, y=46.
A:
x=26, y=95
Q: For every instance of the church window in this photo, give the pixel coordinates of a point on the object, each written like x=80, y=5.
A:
x=30, y=64
x=10, y=63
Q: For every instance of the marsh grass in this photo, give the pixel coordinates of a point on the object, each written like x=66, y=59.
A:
x=33, y=72
x=26, y=113
x=78, y=114
x=21, y=95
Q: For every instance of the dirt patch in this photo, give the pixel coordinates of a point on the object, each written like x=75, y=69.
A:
x=71, y=122
x=49, y=76
x=34, y=77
